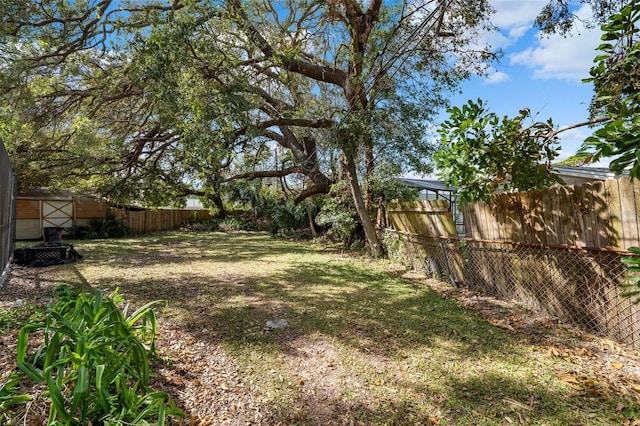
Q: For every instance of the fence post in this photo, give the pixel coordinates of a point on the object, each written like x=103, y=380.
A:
x=7, y=213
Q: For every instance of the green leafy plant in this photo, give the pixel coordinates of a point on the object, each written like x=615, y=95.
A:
x=617, y=93
x=288, y=216
x=482, y=152
x=94, y=362
x=109, y=226
x=338, y=215
x=633, y=267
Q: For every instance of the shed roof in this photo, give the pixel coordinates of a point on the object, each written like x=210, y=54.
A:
x=431, y=185
x=595, y=173
x=48, y=194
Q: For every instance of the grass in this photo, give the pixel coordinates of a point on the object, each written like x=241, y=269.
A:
x=362, y=345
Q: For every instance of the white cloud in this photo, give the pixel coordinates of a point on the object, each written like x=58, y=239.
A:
x=515, y=13
x=513, y=19
x=558, y=57
x=497, y=77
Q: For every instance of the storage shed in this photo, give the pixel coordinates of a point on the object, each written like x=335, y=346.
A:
x=40, y=208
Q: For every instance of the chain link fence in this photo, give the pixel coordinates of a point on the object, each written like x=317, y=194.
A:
x=580, y=286
x=7, y=213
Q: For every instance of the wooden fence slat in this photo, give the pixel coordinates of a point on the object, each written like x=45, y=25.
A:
x=615, y=212
x=431, y=218
x=629, y=214
x=601, y=214
x=566, y=209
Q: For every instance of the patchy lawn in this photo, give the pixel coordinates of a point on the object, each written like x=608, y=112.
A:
x=363, y=341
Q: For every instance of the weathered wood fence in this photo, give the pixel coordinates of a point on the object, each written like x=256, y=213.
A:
x=599, y=214
x=144, y=221
x=558, y=251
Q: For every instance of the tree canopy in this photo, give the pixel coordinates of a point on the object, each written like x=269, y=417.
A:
x=481, y=152
x=151, y=100
x=616, y=82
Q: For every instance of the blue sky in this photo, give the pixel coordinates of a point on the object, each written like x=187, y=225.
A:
x=539, y=72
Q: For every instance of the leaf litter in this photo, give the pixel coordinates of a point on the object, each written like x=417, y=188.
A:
x=213, y=389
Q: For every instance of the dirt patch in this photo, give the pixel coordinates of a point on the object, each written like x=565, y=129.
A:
x=204, y=381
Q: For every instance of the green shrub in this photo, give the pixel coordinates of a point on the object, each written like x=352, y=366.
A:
x=78, y=232
x=207, y=225
x=94, y=363
x=338, y=215
x=109, y=226
x=288, y=216
x=633, y=267
x=237, y=223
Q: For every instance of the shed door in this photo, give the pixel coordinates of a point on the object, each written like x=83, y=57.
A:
x=57, y=213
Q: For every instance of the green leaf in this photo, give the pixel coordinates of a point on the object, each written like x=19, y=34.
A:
x=57, y=400
x=31, y=371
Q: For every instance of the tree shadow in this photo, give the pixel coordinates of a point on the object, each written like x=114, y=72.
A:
x=370, y=317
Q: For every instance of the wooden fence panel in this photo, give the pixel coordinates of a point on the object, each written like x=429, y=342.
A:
x=598, y=214
x=145, y=221
x=432, y=218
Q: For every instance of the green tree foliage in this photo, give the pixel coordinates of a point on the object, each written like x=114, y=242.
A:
x=151, y=101
x=617, y=93
x=482, y=153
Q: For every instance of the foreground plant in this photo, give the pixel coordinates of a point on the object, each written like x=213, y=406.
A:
x=94, y=362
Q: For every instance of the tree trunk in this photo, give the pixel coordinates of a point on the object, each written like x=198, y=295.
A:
x=314, y=232
x=367, y=224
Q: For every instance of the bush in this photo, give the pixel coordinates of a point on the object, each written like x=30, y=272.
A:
x=288, y=216
x=94, y=363
x=109, y=227
x=338, y=215
x=81, y=233
x=208, y=225
x=237, y=223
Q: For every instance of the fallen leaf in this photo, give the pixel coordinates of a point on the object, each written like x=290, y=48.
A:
x=434, y=420
x=616, y=365
x=567, y=378
x=570, y=380
x=517, y=404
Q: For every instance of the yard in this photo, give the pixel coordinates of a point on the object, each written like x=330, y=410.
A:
x=265, y=331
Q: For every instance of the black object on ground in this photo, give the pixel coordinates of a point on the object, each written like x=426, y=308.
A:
x=46, y=254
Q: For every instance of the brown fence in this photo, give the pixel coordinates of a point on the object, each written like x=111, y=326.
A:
x=144, y=221
x=7, y=213
x=558, y=251
x=580, y=286
x=599, y=214
x=432, y=218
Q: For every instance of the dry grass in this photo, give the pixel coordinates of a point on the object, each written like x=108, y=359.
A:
x=364, y=344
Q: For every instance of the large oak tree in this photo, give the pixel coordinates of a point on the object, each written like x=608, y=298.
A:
x=153, y=100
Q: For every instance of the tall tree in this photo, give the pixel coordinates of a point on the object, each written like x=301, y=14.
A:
x=149, y=99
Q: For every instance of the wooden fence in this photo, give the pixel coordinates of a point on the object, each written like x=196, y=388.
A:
x=558, y=251
x=599, y=214
x=432, y=218
x=144, y=221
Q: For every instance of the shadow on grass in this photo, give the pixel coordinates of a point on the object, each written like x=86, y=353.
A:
x=163, y=248
x=375, y=316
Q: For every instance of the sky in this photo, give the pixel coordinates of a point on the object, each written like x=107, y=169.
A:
x=542, y=73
